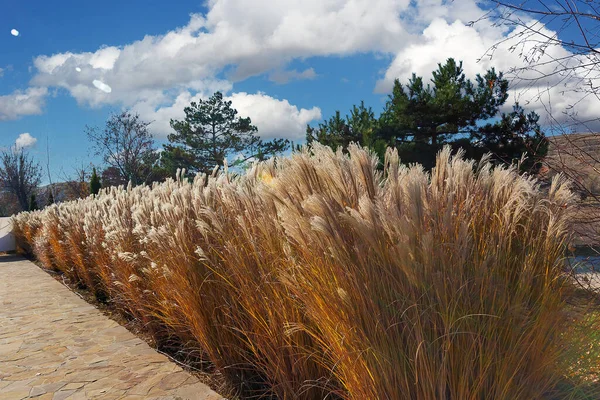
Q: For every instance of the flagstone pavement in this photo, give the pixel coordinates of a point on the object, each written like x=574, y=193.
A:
x=54, y=345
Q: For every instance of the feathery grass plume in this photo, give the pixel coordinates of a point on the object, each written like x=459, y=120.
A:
x=321, y=276
x=24, y=227
x=56, y=232
x=451, y=284
x=83, y=265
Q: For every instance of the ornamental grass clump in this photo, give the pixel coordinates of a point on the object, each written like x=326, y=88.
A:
x=322, y=276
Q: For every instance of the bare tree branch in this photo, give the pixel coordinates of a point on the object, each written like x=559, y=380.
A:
x=125, y=144
x=19, y=175
x=77, y=184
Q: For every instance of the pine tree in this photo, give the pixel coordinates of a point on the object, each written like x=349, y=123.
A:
x=95, y=184
x=210, y=132
x=419, y=119
x=33, y=203
x=335, y=132
x=359, y=127
x=50, y=197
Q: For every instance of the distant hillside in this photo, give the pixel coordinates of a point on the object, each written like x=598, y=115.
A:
x=62, y=191
x=577, y=155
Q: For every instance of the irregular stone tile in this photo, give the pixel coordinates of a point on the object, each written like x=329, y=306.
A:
x=10, y=347
x=53, y=345
x=194, y=392
x=43, y=389
x=173, y=381
x=16, y=386
x=145, y=386
x=73, y=386
x=155, y=391
x=62, y=395
x=14, y=395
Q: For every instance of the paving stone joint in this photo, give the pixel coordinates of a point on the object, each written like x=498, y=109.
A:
x=55, y=346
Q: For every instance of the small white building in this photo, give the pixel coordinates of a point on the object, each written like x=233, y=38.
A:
x=7, y=239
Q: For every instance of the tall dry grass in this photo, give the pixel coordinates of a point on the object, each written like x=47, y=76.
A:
x=321, y=276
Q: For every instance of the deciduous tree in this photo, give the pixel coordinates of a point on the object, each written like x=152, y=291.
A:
x=20, y=175
x=125, y=143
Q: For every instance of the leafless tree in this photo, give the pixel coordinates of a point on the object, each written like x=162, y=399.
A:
x=20, y=175
x=125, y=144
x=558, y=42
x=9, y=204
x=50, y=189
x=77, y=183
x=111, y=177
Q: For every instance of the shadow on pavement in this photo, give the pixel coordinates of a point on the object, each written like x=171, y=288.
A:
x=9, y=257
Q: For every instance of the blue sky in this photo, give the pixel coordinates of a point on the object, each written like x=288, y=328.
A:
x=283, y=63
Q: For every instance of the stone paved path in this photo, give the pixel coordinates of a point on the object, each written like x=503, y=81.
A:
x=54, y=345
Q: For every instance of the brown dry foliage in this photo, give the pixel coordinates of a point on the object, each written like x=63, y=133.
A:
x=320, y=275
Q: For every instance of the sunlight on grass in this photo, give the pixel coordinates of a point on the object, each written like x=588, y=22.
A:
x=322, y=275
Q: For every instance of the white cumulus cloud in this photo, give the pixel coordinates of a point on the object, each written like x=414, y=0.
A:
x=239, y=36
x=25, y=141
x=274, y=118
x=536, y=89
x=159, y=74
x=162, y=108
x=284, y=76
x=21, y=103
